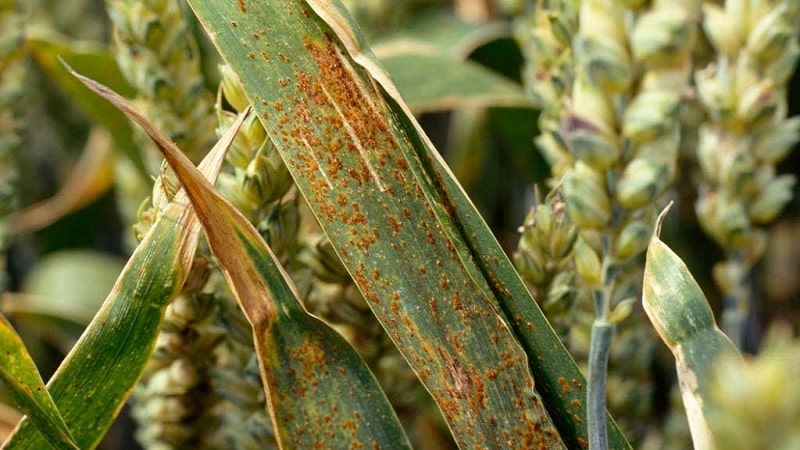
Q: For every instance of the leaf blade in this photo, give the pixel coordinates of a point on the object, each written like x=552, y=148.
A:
x=95, y=61
x=351, y=159
x=20, y=375
x=436, y=82
x=562, y=384
x=683, y=319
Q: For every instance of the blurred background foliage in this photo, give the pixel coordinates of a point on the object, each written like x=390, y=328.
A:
x=71, y=191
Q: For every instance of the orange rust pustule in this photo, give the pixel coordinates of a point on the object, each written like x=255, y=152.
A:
x=564, y=385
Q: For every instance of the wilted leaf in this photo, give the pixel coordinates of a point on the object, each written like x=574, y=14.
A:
x=319, y=390
x=97, y=376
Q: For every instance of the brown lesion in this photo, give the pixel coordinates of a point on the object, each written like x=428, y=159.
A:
x=359, y=109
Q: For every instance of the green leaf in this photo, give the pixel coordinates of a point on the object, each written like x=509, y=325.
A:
x=69, y=285
x=437, y=29
x=680, y=314
x=97, y=376
x=431, y=82
x=19, y=373
x=61, y=294
x=94, y=61
x=427, y=59
x=426, y=262
x=319, y=390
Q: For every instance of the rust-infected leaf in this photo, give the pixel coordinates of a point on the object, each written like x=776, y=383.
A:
x=354, y=160
x=479, y=250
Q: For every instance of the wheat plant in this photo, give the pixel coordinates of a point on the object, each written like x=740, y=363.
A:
x=322, y=279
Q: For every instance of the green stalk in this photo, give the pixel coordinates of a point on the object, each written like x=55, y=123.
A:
x=603, y=330
x=602, y=333
x=609, y=76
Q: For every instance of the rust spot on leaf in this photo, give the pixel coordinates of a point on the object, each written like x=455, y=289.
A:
x=431, y=239
x=242, y=6
x=564, y=385
x=434, y=308
x=310, y=357
x=395, y=224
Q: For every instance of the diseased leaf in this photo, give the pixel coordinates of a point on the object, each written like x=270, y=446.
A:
x=319, y=391
x=680, y=314
x=19, y=373
x=97, y=376
x=558, y=379
x=392, y=212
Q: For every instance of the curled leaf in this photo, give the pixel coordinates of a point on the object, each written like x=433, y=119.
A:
x=682, y=317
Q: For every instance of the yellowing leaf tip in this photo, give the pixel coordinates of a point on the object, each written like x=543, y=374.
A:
x=660, y=219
